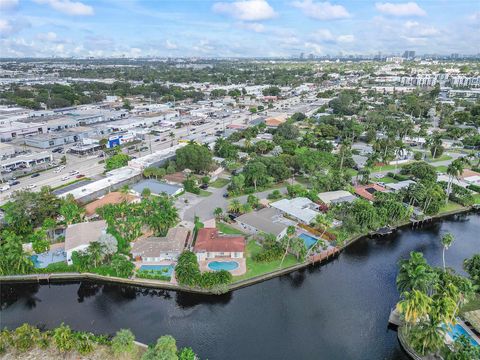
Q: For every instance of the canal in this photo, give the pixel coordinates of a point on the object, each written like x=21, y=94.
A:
x=335, y=311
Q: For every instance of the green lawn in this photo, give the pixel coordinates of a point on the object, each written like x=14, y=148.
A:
x=226, y=229
x=388, y=180
x=477, y=198
x=219, y=183
x=352, y=172
x=389, y=167
x=255, y=268
x=441, y=158
x=204, y=193
x=473, y=304
x=441, y=168
x=451, y=206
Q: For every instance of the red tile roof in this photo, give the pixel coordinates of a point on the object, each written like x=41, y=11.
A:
x=368, y=191
x=209, y=240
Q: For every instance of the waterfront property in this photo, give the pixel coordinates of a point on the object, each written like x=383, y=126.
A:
x=164, y=270
x=54, y=255
x=79, y=236
x=336, y=197
x=300, y=209
x=266, y=220
x=156, y=249
x=210, y=244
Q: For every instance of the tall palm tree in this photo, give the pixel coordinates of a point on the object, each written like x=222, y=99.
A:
x=415, y=306
x=322, y=221
x=415, y=274
x=447, y=241
x=454, y=170
x=234, y=206
x=286, y=242
x=95, y=250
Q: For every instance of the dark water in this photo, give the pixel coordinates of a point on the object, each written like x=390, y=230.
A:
x=336, y=311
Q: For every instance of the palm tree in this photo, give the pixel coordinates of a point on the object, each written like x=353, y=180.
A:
x=447, y=241
x=454, y=170
x=322, y=221
x=95, y=250
x=218, y=212
x=415, y=306
x=235, y=206
x=427, y=338
x=415, y=274
x=286, y=242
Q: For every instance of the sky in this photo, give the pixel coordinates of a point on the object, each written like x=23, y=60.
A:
x=243, y=28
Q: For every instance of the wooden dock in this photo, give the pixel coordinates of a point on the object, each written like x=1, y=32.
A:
x=324, y=255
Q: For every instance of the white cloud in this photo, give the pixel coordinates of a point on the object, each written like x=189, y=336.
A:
x=323, y=35
x=314, y=48
x=12, y=26
x=50, y=36
x=346, y=39
x=5, y=27
x=68, y=7
x=257, y=27
x=6, y=5
x=247, y=10
x=400, y=9
x=322, y=10
x=170, y=45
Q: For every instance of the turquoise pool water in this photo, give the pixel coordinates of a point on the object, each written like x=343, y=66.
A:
x=223, y=265
x=165, y=270
x=41, y=261
x=457, y=330
x=309, y=240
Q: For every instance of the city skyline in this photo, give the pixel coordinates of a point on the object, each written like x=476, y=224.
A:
x=250, y=28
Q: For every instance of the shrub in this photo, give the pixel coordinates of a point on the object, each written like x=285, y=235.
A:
x=473, y=187
x=123, y=343
x=25, y=336
x=63, y=338
x=187, y=354
x=152, y=274
x=84, y=343
x=5, y=340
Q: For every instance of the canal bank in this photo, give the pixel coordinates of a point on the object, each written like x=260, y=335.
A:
x=335, y=311
x=149, y=283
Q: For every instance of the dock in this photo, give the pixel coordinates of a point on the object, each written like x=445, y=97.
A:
x=394, y=318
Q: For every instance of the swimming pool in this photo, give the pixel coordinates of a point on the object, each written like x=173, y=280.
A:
x=309, y=240
x=223, y=265
x=41, y=261
x=457, y=330
x=165, y=270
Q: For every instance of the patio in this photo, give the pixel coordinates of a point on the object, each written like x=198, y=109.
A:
x=240, y=270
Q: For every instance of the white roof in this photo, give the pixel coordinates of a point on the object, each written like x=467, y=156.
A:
x=147, y=160
x=329, y=196
x=399, y=185
x=114, y=177
x=299, y=208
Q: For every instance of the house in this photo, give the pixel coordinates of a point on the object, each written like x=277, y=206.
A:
x=155, y=249
x=336, y=197
x=273, y=122
x=266, y=221
x=112, y=198
x=79, y=236
x=400, y=185
x=300, y=209
x=368, y=191
x=209, y=244
x=157, y=187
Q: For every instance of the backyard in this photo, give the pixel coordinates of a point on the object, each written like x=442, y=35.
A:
x=260, y=268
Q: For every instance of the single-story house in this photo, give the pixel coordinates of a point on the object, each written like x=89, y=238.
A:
x=336, y=197
x=79, y=236
x=368, y=191
x=155, y=249
x=266, y=220
x=115, y=197
x=273, y=122
x=400, y=185
x=300, y=209
x=209, y=244
x=157, y=187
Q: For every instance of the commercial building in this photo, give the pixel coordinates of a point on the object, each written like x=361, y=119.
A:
x=157, y=188
x=15, y=129
x=6, y=150
x=27, y=161
x=158, y=158
x=46, y=141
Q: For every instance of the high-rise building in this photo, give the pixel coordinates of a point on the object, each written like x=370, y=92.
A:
x=409, y=54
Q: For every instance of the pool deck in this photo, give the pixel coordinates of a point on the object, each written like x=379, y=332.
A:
x=460, y=322
x=138, y=264
x=242, y=265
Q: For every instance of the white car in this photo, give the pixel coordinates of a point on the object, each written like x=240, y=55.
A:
x=74, y=172
x=5, y=187
x=30, y=186
x=65, y=178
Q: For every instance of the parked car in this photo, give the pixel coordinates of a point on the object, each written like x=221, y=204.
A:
x=13, y=182
x=80, y=176
x=65, y=178
x=30, y=186
x=225, y=195
x=4, y=187
x=74, y=172
x=35, y=175
x=203, y=186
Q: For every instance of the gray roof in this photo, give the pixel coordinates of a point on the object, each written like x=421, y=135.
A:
x=83, y=233
x=400, y=185
x=265, y=220
x=153, y=246
x=300, y=208
x=156, y=187
x=335, y=196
